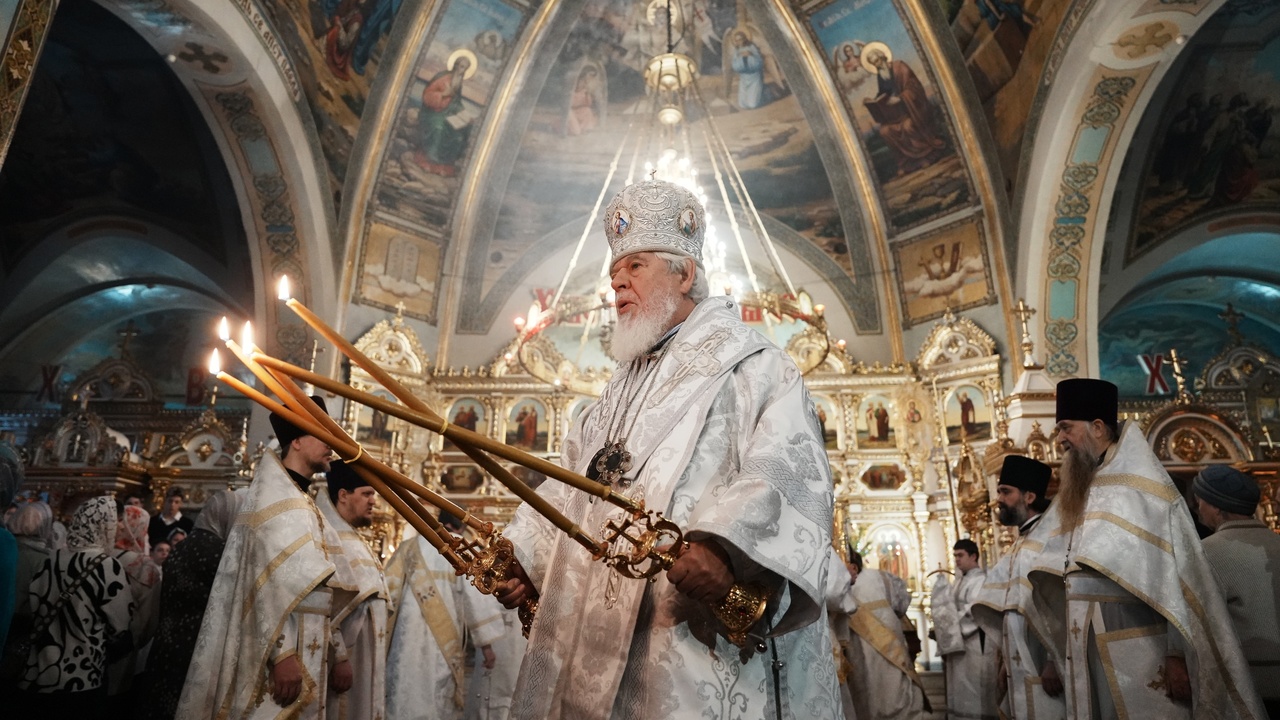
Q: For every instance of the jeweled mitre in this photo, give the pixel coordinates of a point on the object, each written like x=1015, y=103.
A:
x=654, y=216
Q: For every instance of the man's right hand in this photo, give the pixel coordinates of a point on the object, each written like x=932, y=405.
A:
x=1050, y=681
x=286, y=681
x=517, y=589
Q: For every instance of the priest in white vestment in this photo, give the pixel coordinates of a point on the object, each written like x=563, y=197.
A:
x=1139, y=629
x=840, y=605
x=1032, y=686
x=426, y=657
x=968, y=655
x=265, y=644
x=361, y=616
x=499, y=644
x=711, y=424
x=883, y=680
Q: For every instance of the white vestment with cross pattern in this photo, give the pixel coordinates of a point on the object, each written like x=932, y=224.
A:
x=726, y=443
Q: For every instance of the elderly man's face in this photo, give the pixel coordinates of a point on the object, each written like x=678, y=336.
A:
x=643, y=282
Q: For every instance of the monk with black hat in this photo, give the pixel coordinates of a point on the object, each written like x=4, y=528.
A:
x=1028, y=675
x=303, y=455
x=1129, y=602
x=1245, y=556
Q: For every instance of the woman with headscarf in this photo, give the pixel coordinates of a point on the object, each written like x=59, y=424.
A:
x=32, y=526
x=188, y=578
x=81, y=600
x=144, y=583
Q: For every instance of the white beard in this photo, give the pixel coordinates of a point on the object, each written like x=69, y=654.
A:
x=642, y=328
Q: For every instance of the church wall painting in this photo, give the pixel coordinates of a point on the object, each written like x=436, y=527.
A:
x=1215, y=150
x=527, y=426
x=944, y=268
x=374, y=428
x=829, y=419
x=462, y=478
x=337, y=46
x=469, y=414
x=874, y=424
x=453, y=82
x=399, y=266
x=883, y=477
x=968, y=417
x=890, y=94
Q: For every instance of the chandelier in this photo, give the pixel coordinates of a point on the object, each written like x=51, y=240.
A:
x=565, y=342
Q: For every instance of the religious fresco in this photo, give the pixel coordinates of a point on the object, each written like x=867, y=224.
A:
x=829, y=419
x=82, y=145
x=874, y=423
x=374, y=427
x=527, y=426
x=1214, y=151
x=337, y=46
x=454, y=78
x=944, y=268
x=462, y=478
x=890, y=94
x=399, y=266
x=1004, y=44
x=594, y=101
x=469, y=414
x=968, y=417
x=884, y=477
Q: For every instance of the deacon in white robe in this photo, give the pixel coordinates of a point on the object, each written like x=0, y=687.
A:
x=360, y=609
x=883, y=682
x=969, y=656
x=711, y=424
x=265, y=644
x=425, y=661
x=1140, y=630
x=499, y=644
x=1033, y=688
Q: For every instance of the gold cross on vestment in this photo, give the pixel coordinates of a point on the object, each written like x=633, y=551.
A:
x=1075, y=629
x=314, y=646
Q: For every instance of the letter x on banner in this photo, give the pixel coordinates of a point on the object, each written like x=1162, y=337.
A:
x=1154, y=366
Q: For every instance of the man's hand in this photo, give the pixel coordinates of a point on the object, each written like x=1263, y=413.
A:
x=341, y=677
x=489, y=658
x=286, y=681
x=516, y=590
x=1050, y=680
x=703, y=571
x=1176, y=680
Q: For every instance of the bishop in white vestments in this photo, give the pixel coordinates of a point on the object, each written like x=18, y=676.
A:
x=264, y=648
x=1033, y=688
x=1140, y=629
x=426, y=657
x=711, y=424
x=360, y=607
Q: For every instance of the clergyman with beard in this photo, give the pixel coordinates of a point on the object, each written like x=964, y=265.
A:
x=1136, y=622
x=1029, y=677
x=360, y=607
x=711, y=424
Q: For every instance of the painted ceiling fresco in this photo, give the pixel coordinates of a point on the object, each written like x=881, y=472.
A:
x=1214, y=150
x=337, y=49
x=84, y=147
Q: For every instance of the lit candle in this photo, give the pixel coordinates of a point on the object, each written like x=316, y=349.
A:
x=282, y=288
x=215, y=363
x=519, y=323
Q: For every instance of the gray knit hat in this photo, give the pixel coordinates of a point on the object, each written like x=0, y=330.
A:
x=1228, y=489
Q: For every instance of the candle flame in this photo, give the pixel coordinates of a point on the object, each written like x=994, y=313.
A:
x=519, y=323
x=215, y=363
x=224, y=329
x=282, y=288
x=246, y=337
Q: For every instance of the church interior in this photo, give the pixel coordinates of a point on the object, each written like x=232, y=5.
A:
x=939, y=208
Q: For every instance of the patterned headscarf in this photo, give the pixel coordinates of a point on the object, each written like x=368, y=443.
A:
x=131, y=531
x=93, y=525
x=219, y=513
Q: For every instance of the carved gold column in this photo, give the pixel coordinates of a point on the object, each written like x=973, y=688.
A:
x=28, y=29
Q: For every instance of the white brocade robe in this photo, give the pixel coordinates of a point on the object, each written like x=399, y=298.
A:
x=270, y=599
x=970, y=672
x=361, y=620
x=883, y=681
x=840, y=605
x=488, y=623
x=726, y=443
x=1137, y=588
x=425, y=657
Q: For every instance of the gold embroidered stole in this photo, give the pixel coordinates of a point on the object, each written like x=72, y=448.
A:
x=886, y=639
x=439, y=622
